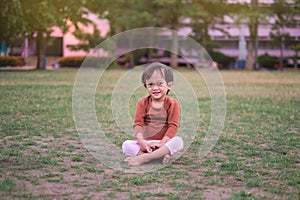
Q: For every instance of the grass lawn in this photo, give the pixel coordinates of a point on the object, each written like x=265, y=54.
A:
x=256, y=156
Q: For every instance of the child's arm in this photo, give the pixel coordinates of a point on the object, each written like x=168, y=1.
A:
x=173, y=119
x=156, y=145
x=139, y=124
x=139, y=116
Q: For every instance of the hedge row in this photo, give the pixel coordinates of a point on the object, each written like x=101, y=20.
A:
x=11, y=61
x=77, y=61
x=267, y=61
x=71, y=61
x=223, y=60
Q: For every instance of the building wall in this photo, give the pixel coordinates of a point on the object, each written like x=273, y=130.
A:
x=70, y=39
x=229, y=44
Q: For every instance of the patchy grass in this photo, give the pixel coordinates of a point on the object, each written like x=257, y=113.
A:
x=256, y=157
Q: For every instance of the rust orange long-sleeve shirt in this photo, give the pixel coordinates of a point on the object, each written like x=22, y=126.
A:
x=155, y=123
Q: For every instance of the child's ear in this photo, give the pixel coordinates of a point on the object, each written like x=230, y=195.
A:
x=170, y=84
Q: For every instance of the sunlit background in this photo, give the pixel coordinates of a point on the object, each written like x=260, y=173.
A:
x=238, y=34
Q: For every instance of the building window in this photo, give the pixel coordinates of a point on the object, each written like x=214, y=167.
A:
x=55, y=46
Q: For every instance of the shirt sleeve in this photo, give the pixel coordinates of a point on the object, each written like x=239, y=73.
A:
x=173, y=119
x=140, y=113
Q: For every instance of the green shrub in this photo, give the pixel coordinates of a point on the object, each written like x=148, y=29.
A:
x=77, y=61
x=133, y=56
x=222, y=60
x=11, y=61
x=267, y=61
x=71, y=61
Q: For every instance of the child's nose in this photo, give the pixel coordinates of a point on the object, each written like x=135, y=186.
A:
x=155, y=86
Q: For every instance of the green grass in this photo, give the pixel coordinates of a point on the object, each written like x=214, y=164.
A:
x=256, y=156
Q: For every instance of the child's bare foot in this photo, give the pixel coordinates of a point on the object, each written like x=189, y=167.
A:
x=137, y=160
x=166, y=159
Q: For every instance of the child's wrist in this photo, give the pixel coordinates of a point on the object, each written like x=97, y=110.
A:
x=139, y=136
x=164, y=140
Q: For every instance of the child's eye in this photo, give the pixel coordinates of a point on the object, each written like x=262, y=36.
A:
x=149, y=84
x=160, y=84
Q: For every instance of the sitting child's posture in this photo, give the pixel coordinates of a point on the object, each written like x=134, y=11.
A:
x=156, y=120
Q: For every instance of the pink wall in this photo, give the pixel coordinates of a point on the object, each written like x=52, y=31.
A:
x=233, y=29
x=69, y=38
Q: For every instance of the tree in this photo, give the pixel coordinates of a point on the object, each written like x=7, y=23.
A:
x=285, y=15
x=124, y=15
x=41, y=15
x=253, y=28
x=252, y=14
x=296, y=48
x=204, y=16
x=88, y=40
x=12, y=26
x=36, y=19
x=167, y=14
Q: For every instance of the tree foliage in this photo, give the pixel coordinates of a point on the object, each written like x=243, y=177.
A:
x=205, y=15
x=252, y=14
x=41, y=15
x=285, y=15
x=37, y=17
x=12, y=25
x=296, y=48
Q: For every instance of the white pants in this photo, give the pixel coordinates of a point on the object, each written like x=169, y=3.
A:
x=132, y=147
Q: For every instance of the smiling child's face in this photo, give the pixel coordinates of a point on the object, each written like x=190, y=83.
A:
x=157, y=86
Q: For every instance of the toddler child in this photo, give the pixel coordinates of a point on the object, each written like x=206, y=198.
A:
x=156, y=120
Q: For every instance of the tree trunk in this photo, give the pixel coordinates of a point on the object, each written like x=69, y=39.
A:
x=174, y=26
x=255, y=60
x=174, y=56
x=296, y=59
x=149, y=54
x=281, y=52
x=250, y=58
x=41, y=49
x=252, y=46
x=205, y=35
x=253, y=29
x=131, y=59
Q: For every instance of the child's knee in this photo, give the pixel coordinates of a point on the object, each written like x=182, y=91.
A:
x=126, y=146
x=175, y=145
x=178, y=141
x=129, y=149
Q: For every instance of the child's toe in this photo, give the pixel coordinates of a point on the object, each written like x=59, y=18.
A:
x=166, y=159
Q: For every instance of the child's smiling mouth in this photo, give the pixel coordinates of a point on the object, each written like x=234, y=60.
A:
x=156, y=93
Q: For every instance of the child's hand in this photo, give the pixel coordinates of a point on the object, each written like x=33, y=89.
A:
x=155, y=145
x=145, y=147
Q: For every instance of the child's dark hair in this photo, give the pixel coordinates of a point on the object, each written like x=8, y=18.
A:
x=165, y=70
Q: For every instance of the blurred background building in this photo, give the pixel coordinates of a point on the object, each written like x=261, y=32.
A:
x=229, y=37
